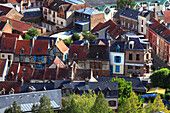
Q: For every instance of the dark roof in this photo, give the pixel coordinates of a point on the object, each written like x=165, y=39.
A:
x=100, y=2
x=55, y=5
x=59, y=83
x=25, y=72
x=137, y=44
x=37, y=86
x=2, y=66
x=137, y=85
x=50, y=39
x=130, y=13
x=115, y=44
x=105, y=41
x=81, y=74
x=80, y=42
x=38, y=74
x=117, y=14
x=2, y=25
x=13, y=71
x=98, y=52
x=26, y=100
x=32, y=14
x=145, y=12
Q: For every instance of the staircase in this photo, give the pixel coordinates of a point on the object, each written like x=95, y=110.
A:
x=158, y=62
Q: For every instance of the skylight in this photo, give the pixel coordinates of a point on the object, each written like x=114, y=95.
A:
x=55, y=4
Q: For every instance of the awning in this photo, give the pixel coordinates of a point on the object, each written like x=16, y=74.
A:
x=149, y=95
x=157, y=90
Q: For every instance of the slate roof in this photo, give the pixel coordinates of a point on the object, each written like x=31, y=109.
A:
x=37, y=86
x=137, y=85
x=35, y=12
x=117, y=14
x=113, y=86
x=100, y=2
x=8, y=44
x=2, y=66
x=7, y=85
x=50, y=39
x=145, y=12
x=167, y=16
x=98, y=52
x=54, y=5
x=161, y=30
x=130, y=13
x=5, y=10
x=89, y=11
x=13, y=69
x=114, y=44
x=26, y=100
x=61, y=46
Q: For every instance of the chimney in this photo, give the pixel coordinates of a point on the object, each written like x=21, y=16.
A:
x=57, y=71
x=32, y=42
x=3, y=91
x=12, y=75
x=52, y=43
x=7, y=21
x=86, y=81
x=22, y=81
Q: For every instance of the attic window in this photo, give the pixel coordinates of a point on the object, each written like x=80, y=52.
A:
x=131, y=44
x=97, y=55
x=9, y=49
x=55, y=4
x=107, y=10
x=22, y=50
x=4, y=48
x=161, y=31
x=75, y=55
x=39, y=50
x=24, y=69
x=131, y=14
x=117, y=48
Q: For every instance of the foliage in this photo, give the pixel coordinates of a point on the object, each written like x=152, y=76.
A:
x=153, y=67
x=75, y=36
x=86, y=103
x=67, y=41
x=44, y=106
x=123, y=3
x=125, y=88
x=101, y=105
x=33, y=32
x=88, y=35
x=156, y=106
x=131, y=105
x=26, y=37
x=14, y=109
x=161, y=78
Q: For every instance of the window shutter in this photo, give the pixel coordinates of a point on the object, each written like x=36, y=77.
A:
x=115, y=58
x=114, y=103
x=42, y=58
x=53, y=51
x=35, y=65
x=119, y=59
x=34, y=58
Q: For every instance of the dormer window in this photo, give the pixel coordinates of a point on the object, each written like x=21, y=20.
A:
x=131, y=44
x=4, y=48
x=99, y=90
x=97, y=55
x=3, y=91
x=108, y=91
x=39, y=50
x=75, y=55
x=117, y=48
x=22, y=50
x=11, y=91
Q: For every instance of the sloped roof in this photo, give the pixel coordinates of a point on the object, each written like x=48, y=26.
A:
x=38, y=74
x=13, y=69
x=100, y=2
x=50, y=73
x=57, y=61
x=167, y=16
x=2, y=66
x=61, y=46
x=2, y=25
x=130, y=13
x=40, y=47
x=89, y=11
x=25, y=72
x=82, y=74
x=8, y=44
x=13, y=1
x=10, y=35
x=5, y=10
x=145, y=12
x=114, y=44
x=23, y=44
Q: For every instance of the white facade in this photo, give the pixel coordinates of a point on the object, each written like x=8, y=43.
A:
x=141, y=25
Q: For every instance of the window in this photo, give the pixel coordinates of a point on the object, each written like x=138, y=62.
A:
x=3, y=56
x=130, y=56
x=137, y=57
x=117, y=48
x=4, y=48
x=39, y=50
x=108, y=92
x=137, y=69
x=61, y=23
x=117, y=68
x=9, y=49
x=130, y=69
x=54, y=51
x=112, y=103
x=147, y=56
x=142, y=22
x=117, y=59
x=141, y=29
x=21, y=58
x=9, y=57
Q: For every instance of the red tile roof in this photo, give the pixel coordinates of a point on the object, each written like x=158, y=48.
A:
x=13, y=1
x=23, y=44
x=57, y=61
x=25, y=72
x=62, y=47
x=10, y=35
x=50, y=73
x=7, y=85
x=40, y=47
x=63, y=74
x=17, y=25
x=167, y=16
x=12, y=74
x=79, y=50
x=8, y=44
x=2, y=66
x=4, y=9
x=38, y=74
x=97, y=27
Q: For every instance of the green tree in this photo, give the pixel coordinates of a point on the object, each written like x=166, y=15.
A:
x=44, y=107
x=33, y=32
x=75, y=36
x=131, y=105
x=26, y=37
x=125, y=88
x=88, y=35
x=161, y=78
x=123, y=3
x=67, y=42
x=101, y=105
x=156, y=106
x=14, y=108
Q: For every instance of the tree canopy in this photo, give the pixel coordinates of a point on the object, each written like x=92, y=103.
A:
x=14, y=108
x=88, y=35
x=123, y=3
x=75, y=36
x=125, y=88
x=33, y=32
x=86, y=103
x=161, y=78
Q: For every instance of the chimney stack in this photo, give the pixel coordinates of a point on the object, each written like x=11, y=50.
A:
x=86, y=81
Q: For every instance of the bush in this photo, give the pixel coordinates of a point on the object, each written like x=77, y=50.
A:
x=26, y=37
x=75, y=37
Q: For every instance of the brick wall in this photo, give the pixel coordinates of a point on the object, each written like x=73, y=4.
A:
x=95, y=19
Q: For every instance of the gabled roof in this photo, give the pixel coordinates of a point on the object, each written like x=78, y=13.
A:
x=2, y=25
x=137, y=44
x=97, y=27
x=13, y=71
x=55, y=4
x=145, y=12
x=2, y=66
x=117, y=14
x=23, y=44
x=58, y=62
x=61, y=46
x=167, y=16
x=38, y=74
x=79, y=50
x=100, y=2
x=7, y=85
x=160, y=29
x=50, y=73
x=13, y=1
x=40, y=47
x=25, y=72
x=10, y=35
x=137, y=85
x=130, y=13
x=5, y=10
x=8, y=44
x=115, y=44
x=82, y=74
x=74, y=7
x=100, y=42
